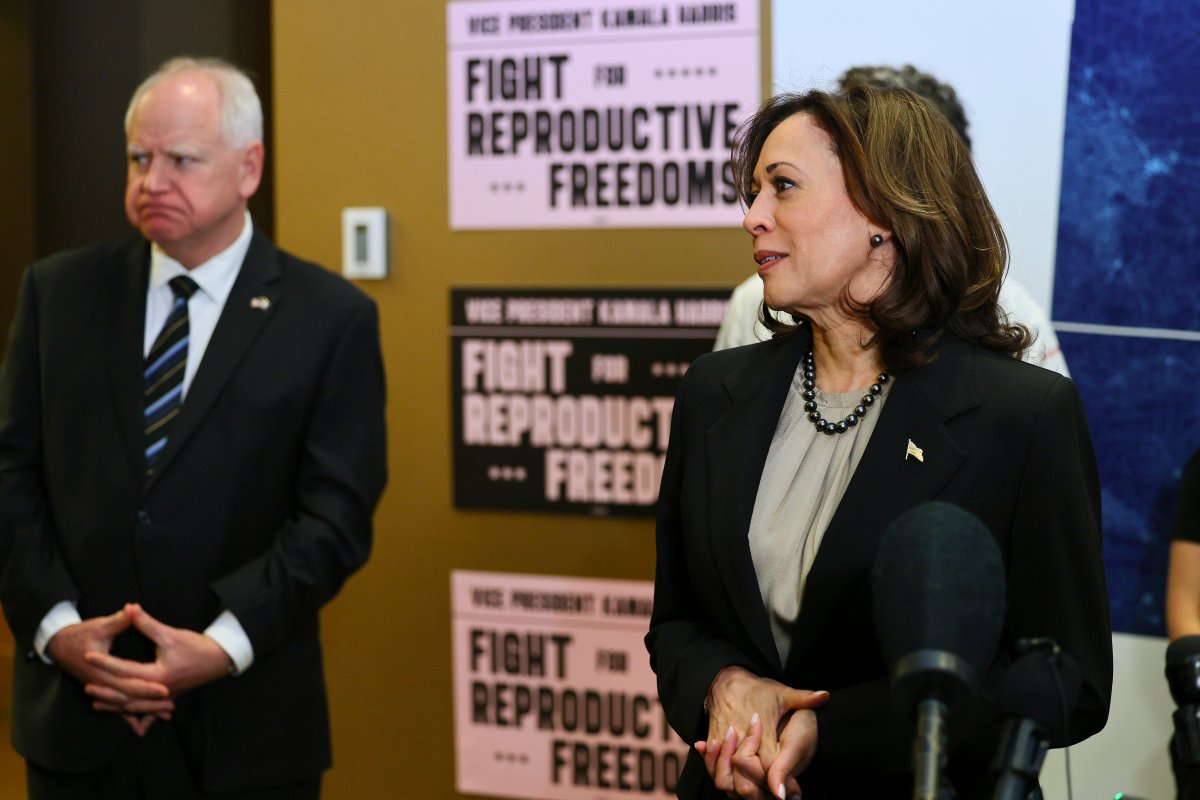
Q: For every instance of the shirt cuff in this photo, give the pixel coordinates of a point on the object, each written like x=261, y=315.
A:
x=229, y=634
x=63, y=613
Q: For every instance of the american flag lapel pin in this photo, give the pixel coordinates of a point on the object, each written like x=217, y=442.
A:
x=914, y=451
x=260, y=303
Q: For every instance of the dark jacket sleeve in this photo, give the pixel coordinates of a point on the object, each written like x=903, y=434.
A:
x=686, y=652
x=33, y=576
x=1185, y=525
x=342, y=472
x=1056, y=581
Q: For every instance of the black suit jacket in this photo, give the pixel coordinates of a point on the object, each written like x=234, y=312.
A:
x=1003, y=439
x=261, y=503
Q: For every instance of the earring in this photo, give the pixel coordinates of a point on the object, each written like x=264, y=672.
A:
x=876, y=240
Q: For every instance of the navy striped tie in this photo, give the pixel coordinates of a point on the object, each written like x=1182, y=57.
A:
x=162, y=378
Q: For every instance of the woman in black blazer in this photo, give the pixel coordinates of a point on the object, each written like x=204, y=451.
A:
x=789, y=458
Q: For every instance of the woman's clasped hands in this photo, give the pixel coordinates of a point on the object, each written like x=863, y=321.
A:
x=761, y=735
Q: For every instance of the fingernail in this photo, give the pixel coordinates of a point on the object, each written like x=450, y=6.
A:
x=729, y=733
x=780, y=793
x=754, y=719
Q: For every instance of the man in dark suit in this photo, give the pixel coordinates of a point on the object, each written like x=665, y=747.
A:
x=191, y=449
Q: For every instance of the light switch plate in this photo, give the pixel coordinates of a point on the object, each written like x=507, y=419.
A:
x=364, y=243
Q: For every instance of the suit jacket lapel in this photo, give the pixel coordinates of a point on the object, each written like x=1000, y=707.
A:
x=736, y=449
x=887, y=482
x=238, y=325
x=122, y=321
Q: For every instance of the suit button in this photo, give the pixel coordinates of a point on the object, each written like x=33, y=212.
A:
x=144, y=516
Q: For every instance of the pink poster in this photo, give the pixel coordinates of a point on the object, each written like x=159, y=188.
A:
x=553, y=694
x=585, y=114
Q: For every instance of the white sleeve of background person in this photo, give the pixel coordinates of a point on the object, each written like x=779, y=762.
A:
x=741, y=325
x=1020, y=306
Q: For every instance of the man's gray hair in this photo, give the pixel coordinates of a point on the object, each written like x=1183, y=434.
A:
x=241, y=111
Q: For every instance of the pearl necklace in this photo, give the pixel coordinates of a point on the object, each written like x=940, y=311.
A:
x=810, y=400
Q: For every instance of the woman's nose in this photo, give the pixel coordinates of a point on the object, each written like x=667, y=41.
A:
x=758, y=217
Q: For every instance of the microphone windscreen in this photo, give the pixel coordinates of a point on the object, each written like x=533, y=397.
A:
x=1182, y=648
x=1030, y=689
x=938, y=584
x=1183, y=670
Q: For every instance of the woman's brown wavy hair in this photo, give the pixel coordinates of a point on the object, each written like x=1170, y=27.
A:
x=907, y=170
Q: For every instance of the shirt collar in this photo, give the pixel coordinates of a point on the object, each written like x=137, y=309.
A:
x=214, y=277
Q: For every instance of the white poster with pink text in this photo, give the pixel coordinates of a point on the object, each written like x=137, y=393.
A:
x=582, y=114
x=553, y=694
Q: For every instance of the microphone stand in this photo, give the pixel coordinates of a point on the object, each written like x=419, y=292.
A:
x=1183, y=678
x=1019, y=777
x=1185, y=752
x=936, y=678
x=929, y=752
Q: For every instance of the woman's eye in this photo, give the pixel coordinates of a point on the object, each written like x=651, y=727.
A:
x=783, y=184
x=750, y=198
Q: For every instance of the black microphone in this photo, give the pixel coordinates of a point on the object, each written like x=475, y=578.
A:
x=1035, y=697
x=938, y=588
x=1183, y=678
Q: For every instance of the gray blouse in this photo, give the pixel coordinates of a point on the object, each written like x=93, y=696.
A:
x=803, y=480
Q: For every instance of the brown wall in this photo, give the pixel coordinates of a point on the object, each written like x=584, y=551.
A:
x=17, y=235
x=360, y=119
x=16, y=152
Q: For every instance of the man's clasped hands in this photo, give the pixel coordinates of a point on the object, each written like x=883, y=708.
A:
x=140, y=692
